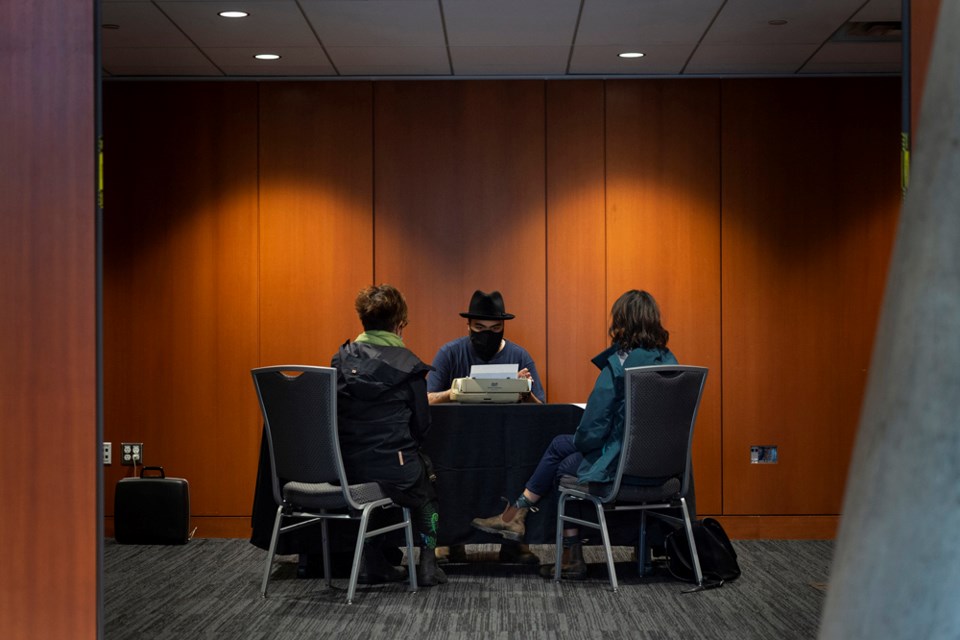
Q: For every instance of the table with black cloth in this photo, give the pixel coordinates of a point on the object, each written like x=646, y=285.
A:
x=480, y=453
x=483, y=452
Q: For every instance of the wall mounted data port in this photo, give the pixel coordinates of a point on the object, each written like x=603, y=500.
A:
x=763, y=454
x=131, y=453
x=107, y=453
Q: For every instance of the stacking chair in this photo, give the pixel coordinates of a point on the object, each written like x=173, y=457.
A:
x=654, y=467
x=299, y=405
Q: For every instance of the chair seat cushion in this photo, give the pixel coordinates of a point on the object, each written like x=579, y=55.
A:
x=628, y=492
x=324, y=495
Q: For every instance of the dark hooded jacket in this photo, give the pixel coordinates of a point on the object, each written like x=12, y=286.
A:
x=382, y=413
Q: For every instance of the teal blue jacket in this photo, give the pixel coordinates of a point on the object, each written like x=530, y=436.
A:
x=600, y=434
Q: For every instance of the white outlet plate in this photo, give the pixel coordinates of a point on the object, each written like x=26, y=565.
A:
x=130, y=451
x=107, y=453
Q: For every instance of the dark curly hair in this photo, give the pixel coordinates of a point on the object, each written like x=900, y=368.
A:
x=381, y=307
x=635, y=322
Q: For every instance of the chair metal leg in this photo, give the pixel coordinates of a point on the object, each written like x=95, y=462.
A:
x=325, y=540
x=606, y=545
x=411, y=569
x=642, y=551
x=271, y=551
x=693, y=545
x=357, y=554
x=558, y=559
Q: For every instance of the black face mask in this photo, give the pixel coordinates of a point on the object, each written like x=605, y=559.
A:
x=486, y=343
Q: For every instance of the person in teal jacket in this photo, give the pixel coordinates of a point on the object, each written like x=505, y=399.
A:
x=637, y=340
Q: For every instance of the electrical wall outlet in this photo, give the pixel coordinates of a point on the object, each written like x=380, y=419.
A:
x=107, y=453
x=763, y=454
x=131, y=452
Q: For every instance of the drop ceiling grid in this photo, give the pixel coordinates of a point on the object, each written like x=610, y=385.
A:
x=364, y=38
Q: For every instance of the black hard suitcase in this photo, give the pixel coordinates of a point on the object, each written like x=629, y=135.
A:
x=152, y=509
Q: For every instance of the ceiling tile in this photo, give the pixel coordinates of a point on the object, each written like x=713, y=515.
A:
x=477, y=61
x=140, y=24
x=270, y=23
x=386, y=61
x=846, y=57
x=493, y=23
x=808, y=21
x=376, y=23
x=763, y=59
x=156, y=61
x=880, y=11
x=606, y=22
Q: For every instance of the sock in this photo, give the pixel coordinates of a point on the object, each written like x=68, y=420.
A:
x=425, y=520
x=522, y=502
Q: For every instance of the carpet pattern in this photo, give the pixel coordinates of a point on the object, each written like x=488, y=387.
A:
x=209, y=588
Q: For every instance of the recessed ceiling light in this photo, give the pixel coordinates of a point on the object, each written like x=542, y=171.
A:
x=630, y=54
x=777, y=23
x=233, y=14
x=267, y=56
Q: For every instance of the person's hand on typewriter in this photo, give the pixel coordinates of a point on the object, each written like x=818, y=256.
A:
x=524, y=374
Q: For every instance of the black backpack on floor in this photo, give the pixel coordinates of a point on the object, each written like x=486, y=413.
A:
x=718, y=559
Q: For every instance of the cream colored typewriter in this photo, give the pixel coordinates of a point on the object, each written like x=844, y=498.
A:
x=488, y=390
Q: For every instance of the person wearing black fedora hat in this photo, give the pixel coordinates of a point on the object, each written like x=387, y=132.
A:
x=483, y=344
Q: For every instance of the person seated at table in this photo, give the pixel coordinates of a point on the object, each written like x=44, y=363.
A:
x=383, y=417
x=484, y=344
x=637, y=340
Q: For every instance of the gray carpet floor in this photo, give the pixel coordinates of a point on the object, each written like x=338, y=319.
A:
x=209, y=588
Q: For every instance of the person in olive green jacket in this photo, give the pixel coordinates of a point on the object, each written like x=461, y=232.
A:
x=637, y=340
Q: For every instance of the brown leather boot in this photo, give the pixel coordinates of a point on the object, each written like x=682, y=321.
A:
x=512, y=529
x=572, y=565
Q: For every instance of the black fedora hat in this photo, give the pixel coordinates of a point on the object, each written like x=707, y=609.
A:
x=487, y=306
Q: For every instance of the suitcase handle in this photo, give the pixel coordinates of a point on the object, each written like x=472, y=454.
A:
x=160, y=469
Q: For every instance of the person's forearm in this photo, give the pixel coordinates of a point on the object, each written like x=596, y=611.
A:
x=438, y=397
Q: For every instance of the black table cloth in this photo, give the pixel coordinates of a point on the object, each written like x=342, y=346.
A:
x=480, y=453
x=483, y=452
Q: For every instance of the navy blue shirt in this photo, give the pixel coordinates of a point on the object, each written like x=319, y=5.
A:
x=455, y=358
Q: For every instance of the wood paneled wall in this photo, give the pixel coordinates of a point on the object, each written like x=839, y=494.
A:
x=663, y=231
x=181, y=290
x=810, y=201
x=316, y=227
x=759, y=213
x=459, y=205
x=48, y=461
x=577, y=308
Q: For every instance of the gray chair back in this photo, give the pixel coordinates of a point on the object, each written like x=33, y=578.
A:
x=659, y=416
x=299, y=406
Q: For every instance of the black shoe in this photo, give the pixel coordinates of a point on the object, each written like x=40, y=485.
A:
x=428, y=573
x=517, y=554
